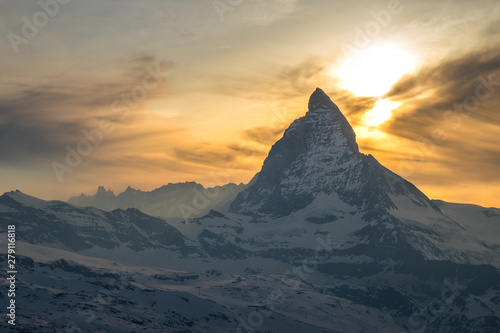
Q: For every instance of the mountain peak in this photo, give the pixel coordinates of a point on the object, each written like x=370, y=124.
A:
x=103, y=193
x=299, y=164
x=319, y=101
x=330, y=118
x=101, y=190
x=318, y=156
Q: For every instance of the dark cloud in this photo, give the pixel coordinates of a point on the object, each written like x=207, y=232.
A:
x=448, y=86
x=453, y=98
x=39, y=121
x=264, y=135
x=455, y=163
x=473, y=157
x=247, y=150
x=352, y=106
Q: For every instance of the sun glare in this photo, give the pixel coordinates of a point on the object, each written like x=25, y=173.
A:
x=373, y=71
x=380, y=113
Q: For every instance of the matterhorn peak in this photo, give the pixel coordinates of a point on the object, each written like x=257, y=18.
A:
x=319, y=101
x=317, y=156
x=303, y=162
x=330, y=118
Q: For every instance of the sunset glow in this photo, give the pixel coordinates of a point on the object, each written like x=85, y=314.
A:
x=184, y=86
x=380, y=113
x=373, y=71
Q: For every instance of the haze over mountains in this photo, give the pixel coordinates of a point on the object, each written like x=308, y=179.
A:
x=172, y=200
x=323, y=239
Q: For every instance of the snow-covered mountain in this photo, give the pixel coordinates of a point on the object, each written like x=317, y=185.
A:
x=172, y=200
x=483, y=223
x=323, y=239
x=318, y=155
x=316, y=174
x=65, y=226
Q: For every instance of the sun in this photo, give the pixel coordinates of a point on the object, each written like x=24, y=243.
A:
x=373, y=71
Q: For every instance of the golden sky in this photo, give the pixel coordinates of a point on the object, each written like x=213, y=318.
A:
x=173, y=91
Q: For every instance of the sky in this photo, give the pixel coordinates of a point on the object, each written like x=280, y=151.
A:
x=122, y=93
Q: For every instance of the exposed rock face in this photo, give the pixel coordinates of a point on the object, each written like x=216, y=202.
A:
x=319, y=154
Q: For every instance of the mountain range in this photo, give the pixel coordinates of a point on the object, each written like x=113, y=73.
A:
x=323, y=239
x=166, y=201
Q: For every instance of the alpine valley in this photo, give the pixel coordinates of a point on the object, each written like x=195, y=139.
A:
x=323, y=239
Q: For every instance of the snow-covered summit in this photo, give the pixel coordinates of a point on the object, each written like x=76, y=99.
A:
x=325, y=113
x=318, y=155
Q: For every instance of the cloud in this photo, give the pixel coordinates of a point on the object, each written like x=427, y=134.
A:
x=453, y=108
x=135, y=162
x=354, y=107
x=448, y=86
x=244, y=155
x=285, y=83
x=204, y=156
x=278, y=82
x=40, y=120
x=493, y=28
x=264, y=135
x=248, y=150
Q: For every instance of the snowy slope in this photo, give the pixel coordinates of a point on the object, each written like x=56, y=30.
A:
x=483, y=223
x=65, y=226
x=80, y=293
